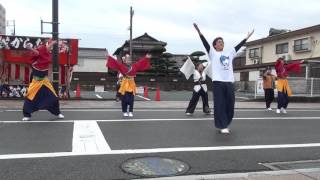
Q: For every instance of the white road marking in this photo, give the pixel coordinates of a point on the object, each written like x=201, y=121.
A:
x=164, y=110
x=143, y=97
x=88, y=138
x=242, y=97
x=169, y=119
x=158, y=150
x=98, y=96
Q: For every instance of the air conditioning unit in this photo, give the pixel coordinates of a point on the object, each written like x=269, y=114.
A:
x=255, y=61
x=286, y=57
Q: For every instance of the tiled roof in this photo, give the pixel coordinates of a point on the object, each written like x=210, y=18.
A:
x=289, y=34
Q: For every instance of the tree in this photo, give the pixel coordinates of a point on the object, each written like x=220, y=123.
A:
x=195, y=57
x=169, y=63
x=156, y=54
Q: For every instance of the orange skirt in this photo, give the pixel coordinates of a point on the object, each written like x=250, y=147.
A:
x=283, y=86
x=127, y=85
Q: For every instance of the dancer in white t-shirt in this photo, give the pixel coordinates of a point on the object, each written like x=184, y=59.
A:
x=223, y=79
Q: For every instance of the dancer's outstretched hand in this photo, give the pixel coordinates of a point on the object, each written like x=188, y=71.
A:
x=148, y=55
x=29, y=46
x=196, y=26
x=249, y=34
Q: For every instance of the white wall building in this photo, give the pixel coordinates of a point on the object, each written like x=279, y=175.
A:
x=296, y=45
x=2, y=20
x=91, y=60
x=301, y=44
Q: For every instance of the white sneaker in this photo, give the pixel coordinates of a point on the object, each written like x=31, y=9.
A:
x=278, y=111
x=60, y=116
x=283, y=110
x=125, y=114
x=225, y=131
x=188, y=114
x=26, y=119
x=269, y=109
x=130, y=114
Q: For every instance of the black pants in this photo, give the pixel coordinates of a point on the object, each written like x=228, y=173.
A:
x=44, y=99
x=194, y=101
x=224, y=100
x=268, y=96
x=283, y=100
x=127, y=100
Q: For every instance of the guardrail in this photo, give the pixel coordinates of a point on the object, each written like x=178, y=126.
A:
x=309, y=87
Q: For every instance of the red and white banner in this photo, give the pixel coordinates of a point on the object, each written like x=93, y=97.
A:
x=20, y=73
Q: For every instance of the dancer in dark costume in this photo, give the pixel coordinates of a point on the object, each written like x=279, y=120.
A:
x=128, y=86
x=200, y=88
x=41, y=94
x=283, y=88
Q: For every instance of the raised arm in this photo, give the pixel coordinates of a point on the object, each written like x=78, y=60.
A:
x=294, y=67
x=243, y=41
x=203, y=39
x=34, y=51
x=50, y=44
x=112, y=63
x=143, y=64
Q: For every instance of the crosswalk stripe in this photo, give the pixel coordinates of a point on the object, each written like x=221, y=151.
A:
x=87, y=137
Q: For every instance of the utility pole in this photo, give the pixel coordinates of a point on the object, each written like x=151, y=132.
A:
x=130, y=43
x=55, y=49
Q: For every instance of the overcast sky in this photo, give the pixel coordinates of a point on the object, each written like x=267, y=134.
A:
x=104, y=23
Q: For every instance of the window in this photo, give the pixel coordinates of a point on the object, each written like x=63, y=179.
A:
x=302, y=44
x=282, y=48
x=254, y=53
x=244, y=76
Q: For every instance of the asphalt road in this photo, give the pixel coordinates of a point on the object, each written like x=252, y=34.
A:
x=93, y=143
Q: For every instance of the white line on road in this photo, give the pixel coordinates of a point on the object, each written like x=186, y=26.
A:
x=159, y=150
x=161, y=110
x=98, y=96
x=169, y=119
x=88, y=138
x=242, y=97
x=143, y=97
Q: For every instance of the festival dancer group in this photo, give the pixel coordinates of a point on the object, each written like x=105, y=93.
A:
x=41, y=94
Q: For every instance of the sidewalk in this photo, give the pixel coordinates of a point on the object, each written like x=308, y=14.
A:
x=298, y=174
x=92, y=104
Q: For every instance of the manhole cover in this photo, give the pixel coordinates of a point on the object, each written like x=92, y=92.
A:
x=154, y=167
